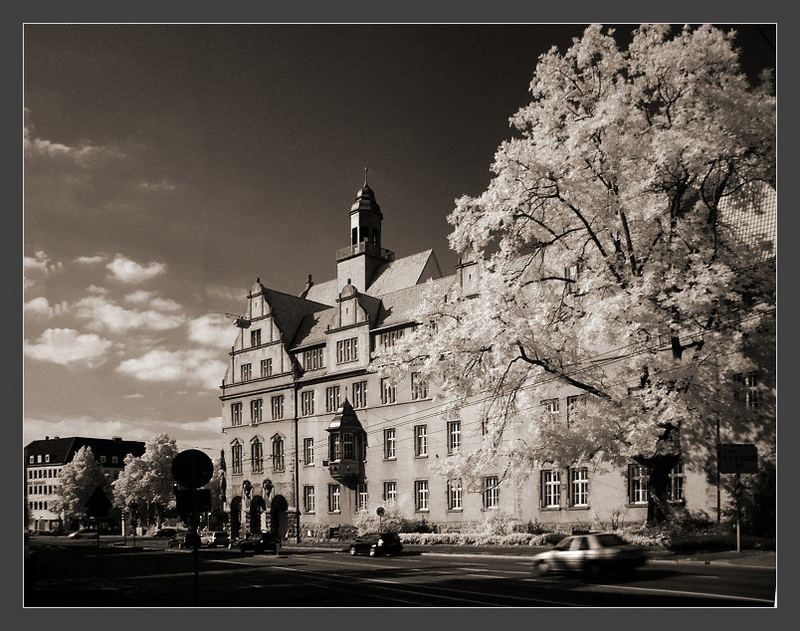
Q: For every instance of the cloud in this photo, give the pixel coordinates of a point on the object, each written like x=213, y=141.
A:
x=196, y=366
x=212, y=330
x=39, y=147
x=154, y=187
x=41, y=306
x=39, y=263
x=91, y=260
x=135, y=395
x=128, y=271
x=68, y=346
x=102, y=313
x=149, y=298
x=94, y=289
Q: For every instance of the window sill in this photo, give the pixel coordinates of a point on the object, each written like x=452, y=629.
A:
x=550, y=508
x=455, y=510
x=311, y=512
x=636, y=505
x=309, y=465
x=334, y=512
x=580, y=507
x=420, y=457
x=422, y=510
x=392, y=459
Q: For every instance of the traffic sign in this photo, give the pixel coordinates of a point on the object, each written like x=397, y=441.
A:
x=192, y=468
x=380, y=511
x=737, y=458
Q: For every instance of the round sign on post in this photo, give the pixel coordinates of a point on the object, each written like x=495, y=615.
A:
x=380, y=511
x=192, y=468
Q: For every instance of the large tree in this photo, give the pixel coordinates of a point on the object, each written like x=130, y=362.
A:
x=78, y=479
x=609, y=260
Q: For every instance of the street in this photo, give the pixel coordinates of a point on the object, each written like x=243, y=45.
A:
x=67, y=575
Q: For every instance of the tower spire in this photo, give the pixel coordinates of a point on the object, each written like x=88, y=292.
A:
x=365, y=175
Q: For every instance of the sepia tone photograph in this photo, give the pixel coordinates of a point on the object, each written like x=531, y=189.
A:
x=399, y=316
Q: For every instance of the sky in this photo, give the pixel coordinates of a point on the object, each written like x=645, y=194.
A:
x=166, y=167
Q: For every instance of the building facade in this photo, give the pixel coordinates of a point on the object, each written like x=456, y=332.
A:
x=304, y=418
x=44, y=460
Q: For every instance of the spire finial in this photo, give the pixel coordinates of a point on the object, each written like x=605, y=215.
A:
x=365, y=175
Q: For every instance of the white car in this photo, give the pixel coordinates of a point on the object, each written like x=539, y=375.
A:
x=590, y=553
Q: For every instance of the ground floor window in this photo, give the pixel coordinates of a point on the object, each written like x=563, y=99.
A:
x=309, y=499
x=390, y=492
x=362, y=503
x=334, y=498
x=675, y=488
x=491, y=492
x=579, y=486
x=638, y=482
x=421, y=495
x=551, y=488
x=454, y=494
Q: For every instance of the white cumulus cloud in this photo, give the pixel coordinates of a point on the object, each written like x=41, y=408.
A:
x=68, y=346
x=196, y=366
x=212, y=330
x=128, y=271
x=102, y=313
x=142, y=297
x=42, y=306
x=91, y=260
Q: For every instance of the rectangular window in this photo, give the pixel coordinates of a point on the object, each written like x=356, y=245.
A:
x=571, y=274
x=675, y=488
x=334, y=498
x=752, y=394
x=454, y=494
x=332, y=395
x=278, y=463
x=389, y=338
x=236, y=413
x=419, y=387
x=266, y=367
x=309, y=499
x=491, y=492
x=390, y=492
x=255, y=337
x=114, y=460
x=236, y=459
x=347, y=350
x=47, y=457
x=579, y=486
x=102, y=459
x=247, y=372
x=255, y=411
x=551, y=489
x=388, y=391
x=348, y=446
x=308, y=452
x=277, y=407
x=453, y=437
x=362, y=497
x=421, y=441
x=257, y=456
x=312, y=359
x=307, y=403
x=360, y=394
x=551, y=406
x=638, y=481
x=390, y=443
x=421, y=495
x=572, y=402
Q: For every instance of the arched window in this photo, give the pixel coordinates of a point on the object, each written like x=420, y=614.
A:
x=277, y=453
x=257, y=455
x=236, y=458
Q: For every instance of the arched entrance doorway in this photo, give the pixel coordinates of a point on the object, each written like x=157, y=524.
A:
x=279, y=517
x=236, y=517
x=257, y=508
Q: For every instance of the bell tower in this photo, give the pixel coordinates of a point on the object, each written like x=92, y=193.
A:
x=365, y=217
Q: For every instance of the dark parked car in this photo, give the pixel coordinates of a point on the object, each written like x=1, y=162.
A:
x=377, y=544
x=166, y=532
x=216, y=538
x=590, y=553
x=259, y=543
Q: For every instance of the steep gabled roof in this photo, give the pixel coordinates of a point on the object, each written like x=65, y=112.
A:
x=313, y=327
x=323, y=292
x=400, y=307
x=400, y=273
x=289, y=311
x=62, y=450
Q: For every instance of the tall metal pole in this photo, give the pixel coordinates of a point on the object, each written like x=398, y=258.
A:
x=296, y=465
x=738, y=492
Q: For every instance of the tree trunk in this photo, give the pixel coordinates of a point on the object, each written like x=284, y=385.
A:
x=658, y=507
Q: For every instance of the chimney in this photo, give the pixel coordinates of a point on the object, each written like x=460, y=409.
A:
x=309, y=285
x=47, y=438
x=117, y=438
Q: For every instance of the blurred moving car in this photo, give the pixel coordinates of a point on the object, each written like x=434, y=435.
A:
x=377, y=544
x=590, y=553
x=165, y=532
x=215, y=538
x=259, y=543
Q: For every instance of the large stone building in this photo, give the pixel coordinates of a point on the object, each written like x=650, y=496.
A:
x=305, y=419
x=44, y=460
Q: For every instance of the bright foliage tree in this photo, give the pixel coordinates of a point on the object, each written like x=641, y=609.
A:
x=78, y=479
x=609, y=260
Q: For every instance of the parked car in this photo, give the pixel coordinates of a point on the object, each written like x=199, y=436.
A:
x=216, y=538
x=259, y=543
x=590, y=553
x=377, y=544
x=166, y=532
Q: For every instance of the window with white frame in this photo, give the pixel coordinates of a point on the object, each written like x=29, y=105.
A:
x=362, y=497
x=236, y=413
x=638, y=481
x=388, y=391
x=421, y=495
x=256, y=406
x=309, y=499
x=421, y=441
x=579, y=486
x=453, y=437
x=103, y=459
x=389, y=338
x=675, y=488
x=390, y=492
x=255, y=337
x=277, y=407
x=236, y=458
x=752, y=393
x=332, y=399
x=419, y=387
x=347, y=350
x=552, y=407
x=551, y=488
x=334, y=498
x=455, y=493
x=246, y=372
x=571, y=274
x=266, y=367
x=308, y=452
x=256, y=455
x=572, y=403
x=390, y=443
x=312, y=359
x=278, y=463
x=47, y=457
x=491, y=492
x=307, y=403
x=360, y=394
x=348, y=446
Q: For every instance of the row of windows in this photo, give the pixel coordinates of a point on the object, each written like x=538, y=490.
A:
x=257, y=456
x=37, y=474
x=246, y=370
x=38, y=459
x=553, y=407
x=421, y=440
x=38, y=505
x=41, y=489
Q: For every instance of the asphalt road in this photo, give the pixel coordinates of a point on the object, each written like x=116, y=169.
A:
x=67, y=575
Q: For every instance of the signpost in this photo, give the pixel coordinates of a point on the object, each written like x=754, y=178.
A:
x=97, y=508
x=738, y=459
x=380, y=511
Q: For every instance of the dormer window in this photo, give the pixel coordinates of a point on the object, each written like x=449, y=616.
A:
x=255, y=337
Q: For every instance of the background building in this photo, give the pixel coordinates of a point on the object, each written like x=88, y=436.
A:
x=44, y=460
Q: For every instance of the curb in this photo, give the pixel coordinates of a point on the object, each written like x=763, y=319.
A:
x=712, y=562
